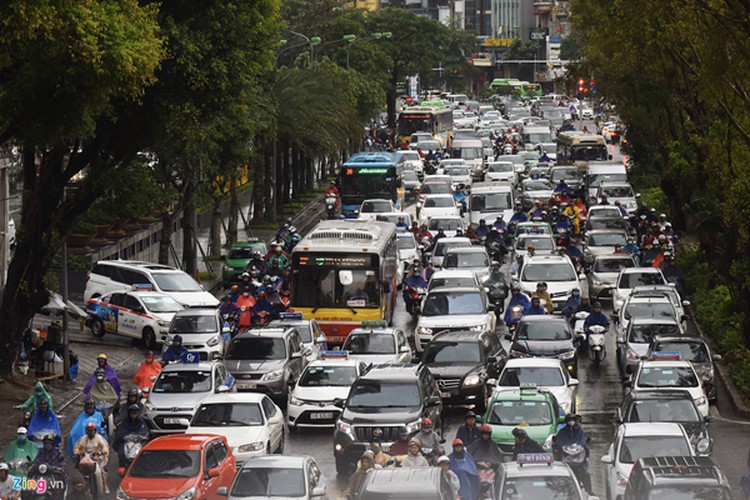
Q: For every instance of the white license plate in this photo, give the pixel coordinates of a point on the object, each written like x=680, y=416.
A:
x=246, y=385
x=446, y=394
x=326, y=415
x=172, y=421
x=507, y=458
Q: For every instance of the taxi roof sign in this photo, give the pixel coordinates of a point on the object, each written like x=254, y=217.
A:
x=142, y=287
x=666, y=356
x=371, y=324
x=291, y=315
x=528, y=387
x=334, y=355
x=535, y=458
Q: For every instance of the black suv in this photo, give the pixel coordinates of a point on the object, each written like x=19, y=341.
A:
x=462, y=362
x=380, y=402
x=677, y=477
x=667, y=406
x=545, y=337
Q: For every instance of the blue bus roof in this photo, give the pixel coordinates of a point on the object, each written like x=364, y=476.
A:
x=371, y=158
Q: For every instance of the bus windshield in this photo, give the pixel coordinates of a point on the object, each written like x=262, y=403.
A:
x=360, y=185
x=319, y=286
x=408, y=124
x=589, y=153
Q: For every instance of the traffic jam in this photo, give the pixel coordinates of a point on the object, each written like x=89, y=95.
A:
x=475, y=261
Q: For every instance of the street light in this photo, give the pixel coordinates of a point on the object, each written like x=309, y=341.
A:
x=312, y=41
x=284, y=49
x=345, y=38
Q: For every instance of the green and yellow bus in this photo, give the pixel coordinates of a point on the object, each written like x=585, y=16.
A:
x=436, y=121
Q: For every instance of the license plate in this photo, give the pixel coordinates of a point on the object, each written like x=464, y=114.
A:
x=445, y=394
x=172, y=421
x=326, y=415
x=507, y=458
x=246, y=385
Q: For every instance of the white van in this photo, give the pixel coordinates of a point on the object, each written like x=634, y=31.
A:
x=599, y=172
x=472, y=152
x=121, y=275
x=487, y=201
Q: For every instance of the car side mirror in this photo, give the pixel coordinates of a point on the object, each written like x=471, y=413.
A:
x=684, y=317
x=214, y=472
x=709, y=418
x=319, y=491
x=222, y=491
x=582, y=276
x=716, y=357
x=490, y=307
x=606, y=459
x=297, y=355
x=573, y=382
x=291, y=383
x=221, y=388
x=338, y=403
x=685, y=303
x=615, y=318
x=121, y=471
x=491, y=382
x=627, y=383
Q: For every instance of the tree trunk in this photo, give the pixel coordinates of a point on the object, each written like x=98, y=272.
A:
x=296, y=168
x=268, y=206
x=258, y=188
x=287, y=172
x=189, y=243
x=279, y=173
x=165, y=238
x=216, y=228
x=234, y=210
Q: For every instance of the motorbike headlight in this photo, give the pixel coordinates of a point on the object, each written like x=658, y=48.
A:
x=568, y=355
x=702, y=446
x=213, y=341
x=121, y=495
x=477, y=328
x=256, y=446
x=423, y=330
x=472, y=380
x=274, y=375
x=187, y=495
x=414, y=426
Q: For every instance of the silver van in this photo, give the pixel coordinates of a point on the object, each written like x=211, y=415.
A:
x=487, y=201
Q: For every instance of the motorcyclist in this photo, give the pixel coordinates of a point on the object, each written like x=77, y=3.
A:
x=134, y=425
x=440, y=235
x=597, y=317
x=460, y=198
x=89, y=416
x=472, y=234
x=516, y=265
x=228, y=309
x=278, y=257
x=572, y=434
x=176, y=351
x=263, y=284
x=147, y=372
x=497, y=276
x=246, y=301
x=542, y=293
x=482, y=230
x=262, y=306
x=516, y=299
x=572, y=304
x=562, y=188
x=500, y=224
x=519, y=215
x=486, y=454
x=428, y=438
x=97, y=448
x=7, y=490
x=673, y=273
x=333, y=190
x=524, y=444
x=234, y=292
x=538, y=211
x=544, y=158
x=401, y=445
x=423, y=233
x=401, y=225
x=31, y=404
x=575, y=255
x=536, y=308
x=621, y=208
x=562, y=225
x=44, y=421
x=257, y=262
x=415, y=280
x=632, y=248
x=132, y=399
x=20, y=448
x=109, y=375
x=469, y=432
x=283, y=230
x=414, y=458
x=274, y=299
x=51, y=455
x=292, y=239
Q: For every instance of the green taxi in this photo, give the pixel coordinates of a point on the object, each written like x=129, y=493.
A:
x=237, y=258
x=536, y=410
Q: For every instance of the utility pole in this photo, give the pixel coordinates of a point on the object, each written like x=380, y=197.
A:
x=64, y=290
x=5, y=217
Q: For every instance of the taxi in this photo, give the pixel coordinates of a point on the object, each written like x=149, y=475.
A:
x=537, y=475
x=534, y=409
x=311, y=401
x=140, y=314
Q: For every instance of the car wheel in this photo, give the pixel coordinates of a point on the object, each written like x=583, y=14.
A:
x=149, y=338
x=280, y=449
x=97, y=328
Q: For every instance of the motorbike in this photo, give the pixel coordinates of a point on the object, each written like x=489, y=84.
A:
x=413, y=298
x=597, y=347
x=516, y=313
x=19, y=467
x=51, y=477
x=89, y=468
x=508, y=149
x=131, y=446
x=495, y=245
x=261, y=318
x=331, y=200
x=575, y=456
x=497, y=295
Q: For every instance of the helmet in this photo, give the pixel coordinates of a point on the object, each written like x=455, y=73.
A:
x=22, y=430
x=266, y=277
x=569, y=417
x=101, y=356
x=177, y=339
x=597, y=304
x=515, y=287
x=133, y=391
x=4, y=466
x=134, y=408
x=256, y=254
x=261, y=294
x=470, y=414
x=90, y=425
x=403, y=431
x=48, y=438
x=426, y=421
x=149, y=353
x=99, y=371
x=485, y=428
x=443, y=460
x=535, y=299
x=457, y=442
x=531, y=247
x=292, y=229
x=518, y=432
x=226, y=298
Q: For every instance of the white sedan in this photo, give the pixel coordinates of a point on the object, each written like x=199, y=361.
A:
x=370, y=209
x=252, y=424
x=544, y=373
x=438, y=205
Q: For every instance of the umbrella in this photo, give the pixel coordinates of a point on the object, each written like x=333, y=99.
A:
x=56, y=306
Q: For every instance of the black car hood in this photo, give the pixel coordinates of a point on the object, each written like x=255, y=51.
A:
x=442, y=370
x=543, y=347
x=381, y=415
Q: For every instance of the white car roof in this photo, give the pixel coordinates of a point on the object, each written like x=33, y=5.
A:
x=334, y=362
x=639, y=270
x=662, y=363
x=453, y=273
x=655, y=429
x=556, y=469
x=234, y=397
x=532, y=363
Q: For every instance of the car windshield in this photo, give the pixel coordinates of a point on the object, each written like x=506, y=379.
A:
x=376, y=206
x=436, y=188
x=410, y=155
x=636, y=447
x=256, y=348
x=449, y=224
x=205, y=323
x=549, y=487
x=537, y=185
x=688, y=492
x=642, y=333
x=161, y=303
x=452, y=352
x=457, y=281
x=228, y=415
x=457, y=171
x=442, y=248
x=472, y=259
x=605, y=213
x=606, y=239
x=666, y=377
x=370, y=343
x=491, y=201
x=261, y=482
x=565, y=173
x=176, y=282
x=405, y=242
x=429, y=145
x=328, y=376
x=410, y=176
x=537, y=137
x=374, y=394
x=618, y=223
x=612, y=265
x=548, y=272
x=664, y=410
x=537, y=243
x=596, y=179
x=166, y=464
x=695, y=352
x=500, y=167
x=182, y=381
x=520, y=412
x=541, y=377
x=617, y=191
x=649, y=310
x=632, y=280
x=439, y=202
x=444, y=304
x=242, y=253
x=543, y=330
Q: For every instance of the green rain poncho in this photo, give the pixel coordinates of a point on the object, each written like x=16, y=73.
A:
x=30, y=403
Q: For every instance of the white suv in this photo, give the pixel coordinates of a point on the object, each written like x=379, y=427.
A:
x=555, y=270
x=121, y=276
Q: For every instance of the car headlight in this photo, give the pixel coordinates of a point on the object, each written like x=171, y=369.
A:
x=423, y=330
x=187, y=495
x=472, y=380
x=228, y=268
x=702, y=446
x=700, y=401
x=295, y=402
x=150, y=406
x=256, y=446
x=356, y=211
x=414, y=426
x=568, y=355
x=631, y=354
x=274, y=375
x=477, y=328
x=121, y=495
x=162, y=322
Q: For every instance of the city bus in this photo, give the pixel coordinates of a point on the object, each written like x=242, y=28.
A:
x=370, y=175
x=578, y=148
x=436, y=121
x=343, y=273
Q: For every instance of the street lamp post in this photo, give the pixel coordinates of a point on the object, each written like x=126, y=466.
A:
x=312, y=41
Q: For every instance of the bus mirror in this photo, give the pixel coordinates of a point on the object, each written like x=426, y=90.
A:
x=345, y=277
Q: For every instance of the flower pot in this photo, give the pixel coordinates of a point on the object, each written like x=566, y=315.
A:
x=101, y=229
x=79, y=240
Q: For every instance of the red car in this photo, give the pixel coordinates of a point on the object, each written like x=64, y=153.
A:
x=179, y=467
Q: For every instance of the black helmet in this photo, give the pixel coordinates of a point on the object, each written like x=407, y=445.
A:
x=100, y=371
x=177, y=339
x=569, y=417
x=134, y=408
x=597, y=304
x=133, y=391
x=226, y=298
